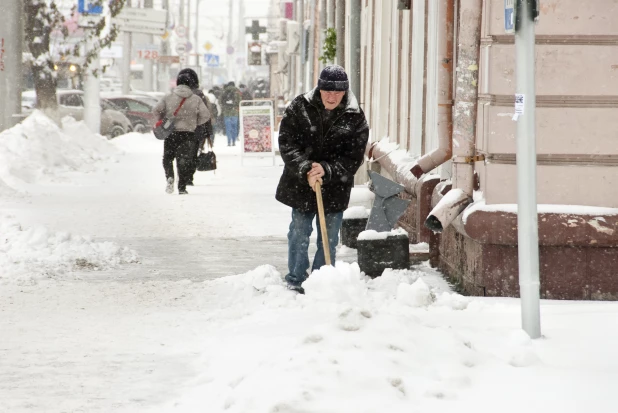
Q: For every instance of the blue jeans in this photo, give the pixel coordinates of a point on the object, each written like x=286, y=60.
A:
x=298, y=243
x=231, y=129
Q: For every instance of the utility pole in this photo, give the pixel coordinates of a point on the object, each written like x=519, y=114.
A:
x=323, y=27
x=10, y=63
x=340, y=23
x=331, y=13
x=311, y=43
x=527, y=216
x=197, y=31
x=230, y=56
x=163, y=69
x=188, y=32
x=302, y=58
x=127, y=38
x=355, y=47
x=148, y=63
x=92, y=96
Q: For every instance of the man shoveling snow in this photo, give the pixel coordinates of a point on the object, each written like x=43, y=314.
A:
x=322, y=140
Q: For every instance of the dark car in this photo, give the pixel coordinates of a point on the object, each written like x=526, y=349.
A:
x=138, y=110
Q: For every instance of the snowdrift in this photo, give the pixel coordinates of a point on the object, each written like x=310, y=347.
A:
x=38, y=151
x=30, y=254
x=351, y=344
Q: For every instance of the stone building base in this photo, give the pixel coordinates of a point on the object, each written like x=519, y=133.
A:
x=577, y=262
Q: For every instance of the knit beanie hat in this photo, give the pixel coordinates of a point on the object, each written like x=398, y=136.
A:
x=333, y=78
x=188, y=77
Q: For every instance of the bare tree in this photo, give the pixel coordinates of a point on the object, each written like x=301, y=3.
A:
x=43, y=21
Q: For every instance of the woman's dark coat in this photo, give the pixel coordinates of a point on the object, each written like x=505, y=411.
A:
x=339, y=149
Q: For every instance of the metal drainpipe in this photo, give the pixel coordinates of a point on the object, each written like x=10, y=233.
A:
x=464, y=117
x=444, y=151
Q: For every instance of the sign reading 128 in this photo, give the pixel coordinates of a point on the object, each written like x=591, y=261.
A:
x=89, y=7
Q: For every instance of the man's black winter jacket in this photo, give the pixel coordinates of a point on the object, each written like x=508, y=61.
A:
x=340, y=151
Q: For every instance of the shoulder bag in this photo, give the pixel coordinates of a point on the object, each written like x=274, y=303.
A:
x=164, y=127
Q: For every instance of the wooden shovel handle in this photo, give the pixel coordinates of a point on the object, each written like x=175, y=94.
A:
x=318, y=194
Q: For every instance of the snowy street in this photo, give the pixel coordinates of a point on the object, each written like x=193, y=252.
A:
x=117, y=297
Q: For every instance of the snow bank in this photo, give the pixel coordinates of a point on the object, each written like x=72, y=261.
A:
x=27, y=254
x=350, y=344
x=38, y=150
x=138, y=143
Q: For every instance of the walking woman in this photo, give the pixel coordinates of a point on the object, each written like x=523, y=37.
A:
x=191, y=112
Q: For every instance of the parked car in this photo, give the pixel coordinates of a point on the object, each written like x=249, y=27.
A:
x=113, y=121
x=138, y=109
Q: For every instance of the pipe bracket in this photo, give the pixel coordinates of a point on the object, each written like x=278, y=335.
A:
x=469, y=159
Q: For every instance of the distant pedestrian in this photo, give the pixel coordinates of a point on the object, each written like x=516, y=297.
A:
x=230, y=102
x=219, y=124
x=245, y=93
x=180, y=145
x=203, y=133
x=322, y=138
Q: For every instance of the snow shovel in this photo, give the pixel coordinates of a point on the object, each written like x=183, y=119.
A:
x=318, y=194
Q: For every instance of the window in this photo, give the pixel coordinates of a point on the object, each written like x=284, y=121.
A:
x=107, y=105
x=70, y=99
x=136, y=106
x=120, y=103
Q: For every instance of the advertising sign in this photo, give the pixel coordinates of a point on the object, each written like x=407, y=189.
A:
x=256, y=128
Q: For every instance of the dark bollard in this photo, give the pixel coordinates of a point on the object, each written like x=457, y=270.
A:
x=350, y=228
x=376, y=255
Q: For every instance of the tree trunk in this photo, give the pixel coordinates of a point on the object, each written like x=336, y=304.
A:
x=39, y=24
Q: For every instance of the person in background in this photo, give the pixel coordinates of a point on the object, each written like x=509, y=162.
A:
x=180, y=145
x=322, y=138
x=215, y=114
x=219, y=125
x=245, y=93
x=203, y=132
x=230, y=101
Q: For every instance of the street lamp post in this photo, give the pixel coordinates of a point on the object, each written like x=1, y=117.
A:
x=527, y=216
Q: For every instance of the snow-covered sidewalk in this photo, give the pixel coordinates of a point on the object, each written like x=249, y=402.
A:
x=116, y=297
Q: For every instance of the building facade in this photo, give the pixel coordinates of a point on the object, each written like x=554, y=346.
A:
x=437, y=85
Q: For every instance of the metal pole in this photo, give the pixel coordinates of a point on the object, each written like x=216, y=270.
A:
x=92, y=98
x=355, y=47
x=10, y=64
x=323, y=27
x=163, y=69
x=229, y=59
x=188, y=40
x=148, y=66
x=331, y=13
x=126, y=63
x=340, y=23
x=527, y=219
x=311, y=43
x=197, y=31
x=300, y=80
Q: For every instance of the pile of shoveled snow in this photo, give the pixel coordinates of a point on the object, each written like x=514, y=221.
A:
x=37, y=150
x=350, y=344
x=28, y=254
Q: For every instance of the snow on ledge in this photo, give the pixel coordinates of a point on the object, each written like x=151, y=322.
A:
x=356, y=212
x=375, y=235
x=541, y=209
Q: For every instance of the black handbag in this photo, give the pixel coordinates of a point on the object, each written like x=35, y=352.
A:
x=207, y=161
x=164, y=127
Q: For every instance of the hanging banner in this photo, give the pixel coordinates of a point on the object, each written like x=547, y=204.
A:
x=256, y=128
